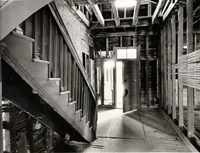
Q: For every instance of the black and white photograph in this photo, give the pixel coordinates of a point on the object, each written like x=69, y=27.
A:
x=99, y=76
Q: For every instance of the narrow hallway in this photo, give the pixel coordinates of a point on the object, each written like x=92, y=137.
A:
x=144, y=130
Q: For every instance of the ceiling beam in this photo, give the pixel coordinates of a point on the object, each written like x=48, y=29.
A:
x=136, y=12
x=97, y=12
x=85, y=2
x=116, y=15
x=157, y=11
x=169, y=9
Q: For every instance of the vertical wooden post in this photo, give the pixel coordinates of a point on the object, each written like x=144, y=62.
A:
x=165, y=67
x=107, y=47
x=162, y=69
x=190, y=91
x=6, y=131
x=1, y=122
x=180, y=53
x=147, y=71
x=65, y=68
x=149, y=9
x=61, y=65
x=173, y=23
x=121, y=41
x=169, y=50
x=102, y=82
x=43, y=28
x=50, y=46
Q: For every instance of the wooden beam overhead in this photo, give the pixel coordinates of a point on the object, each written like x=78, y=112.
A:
x=136, y=12
x=169, y=9
x=85, y=2
x=97, y=12
x=116, y=14
x=157, y=11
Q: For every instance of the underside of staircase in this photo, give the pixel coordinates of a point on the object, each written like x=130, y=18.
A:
x=69, y=93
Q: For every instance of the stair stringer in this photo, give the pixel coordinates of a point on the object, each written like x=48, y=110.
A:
x=18, y=54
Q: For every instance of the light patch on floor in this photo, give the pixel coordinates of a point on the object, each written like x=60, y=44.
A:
x=145, y=130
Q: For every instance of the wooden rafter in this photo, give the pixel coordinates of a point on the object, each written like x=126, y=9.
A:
x=136, y=12
x=169, y=9
x=157, y=11
x=97, y=12
x=116, y=15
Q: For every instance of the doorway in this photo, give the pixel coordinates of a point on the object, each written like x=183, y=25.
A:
x=108, y=82
x=127, y=78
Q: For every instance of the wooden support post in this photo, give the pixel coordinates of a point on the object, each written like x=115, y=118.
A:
x=190, y=91
x=107, y=47
x=69, y=64
x=102, y=82
x=180, y=53
x=121, y=41
x=173, y=23
x=162, y=69
x=61, y=65
x=65, y=68
x=169, y=50
x=1, y=122
x=50, y=46
x=55, y=51
x=149, y=9
x=165, y=67
x=6, y=129
x=147, y=71
x=43, y=35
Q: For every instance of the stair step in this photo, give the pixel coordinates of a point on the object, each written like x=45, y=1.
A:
x=54, y=79
x=64, y=92
x=22, y=36
x=40, y=61
x=78, y=111
x=88, y=122
x=91, y=128
x=72, y=102
x=82, y=118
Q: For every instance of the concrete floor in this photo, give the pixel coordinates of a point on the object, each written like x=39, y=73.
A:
x=145, y=130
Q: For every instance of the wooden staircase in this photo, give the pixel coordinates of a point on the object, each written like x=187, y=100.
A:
x=45, y=58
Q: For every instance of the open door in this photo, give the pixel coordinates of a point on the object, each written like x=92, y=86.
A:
x=131, y=86
x=128, y=56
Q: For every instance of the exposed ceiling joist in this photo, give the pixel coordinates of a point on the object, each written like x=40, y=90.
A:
x=116, y=15
x=166, y=5
x=85, y=2
x=97, y=12
x=136, y=12
x=157, y=11
x=169, y=9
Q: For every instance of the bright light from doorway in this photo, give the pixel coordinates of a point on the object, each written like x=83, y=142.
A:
x=124, y=3
x=109, y=64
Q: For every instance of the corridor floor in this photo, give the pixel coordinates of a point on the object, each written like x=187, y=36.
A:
x=144, y=130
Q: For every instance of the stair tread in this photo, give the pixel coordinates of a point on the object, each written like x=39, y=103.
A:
x=64, y=92
x=54, y=79
x=87, y=122
x=22, y=36
x=83, y=117
x=72, y=102
x=40, y=61
x=78, y=111
x=91, y=128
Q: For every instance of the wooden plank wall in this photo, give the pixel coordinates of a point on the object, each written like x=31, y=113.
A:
x=148, y=42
